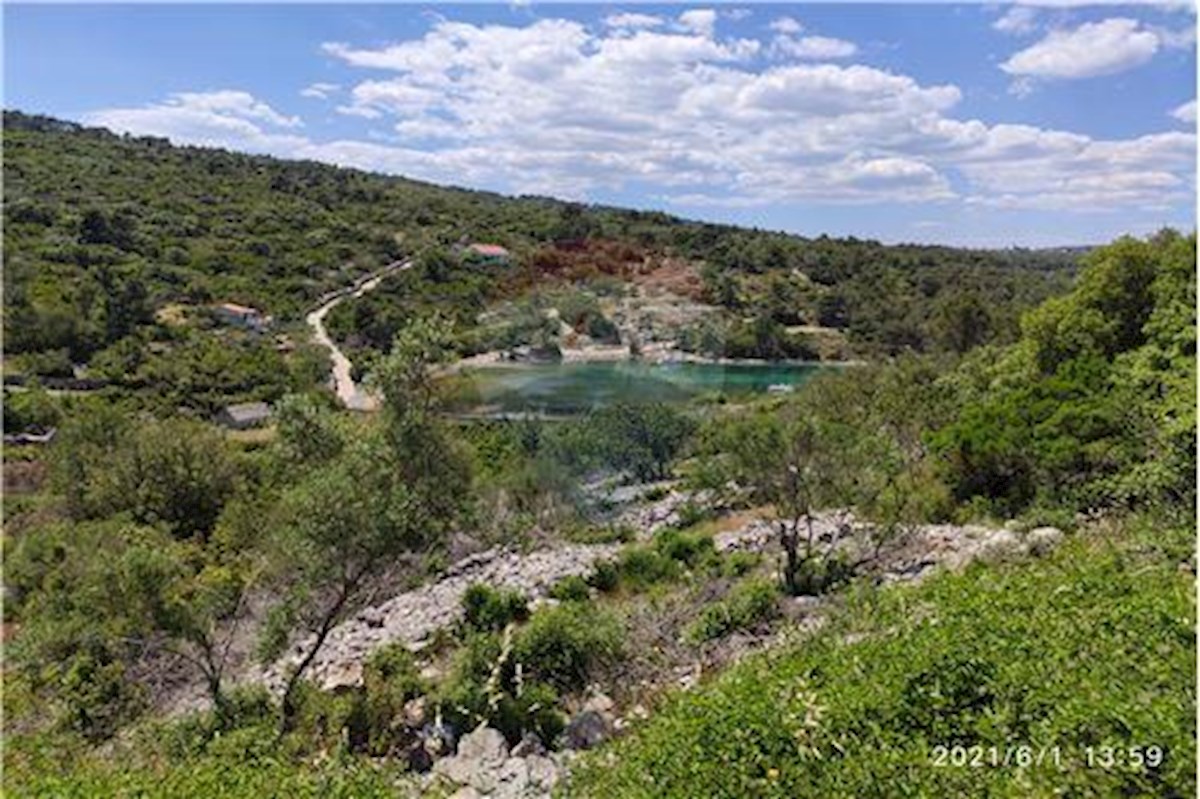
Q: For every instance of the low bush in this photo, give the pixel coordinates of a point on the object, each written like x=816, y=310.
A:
x=691, y=514
x=485, y=686
x=605, y=576
x=690, y=549
x=605, y=534
x=738, y=564
x=487, y=609
x=818, y=575
x=565, y=645
x=746, y=605
x=390, y=679
x=641, y=567
x=572, y=588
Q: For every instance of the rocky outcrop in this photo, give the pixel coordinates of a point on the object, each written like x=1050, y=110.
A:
x=411, y=617
x=484, y=766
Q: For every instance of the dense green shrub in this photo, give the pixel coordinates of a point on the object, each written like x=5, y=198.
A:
x=690, y=549
x=487, y=609
x=642, y=439
x=737, y=564
x=641, y=567
x=572, y=588
x=605, y=576
x=390, y=679
x=746, y=605
x=484, y=687
x=565, y=645
x=819, y=575
x=1095, y=406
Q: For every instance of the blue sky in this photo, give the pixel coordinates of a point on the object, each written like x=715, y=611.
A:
x=985, y=125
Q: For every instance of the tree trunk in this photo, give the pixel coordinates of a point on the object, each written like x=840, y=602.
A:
x=788, y=540
x=287, y=707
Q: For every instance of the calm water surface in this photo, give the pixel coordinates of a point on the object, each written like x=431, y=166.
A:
x=566, y=388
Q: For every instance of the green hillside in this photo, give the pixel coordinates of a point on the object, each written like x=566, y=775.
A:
x=103, y=231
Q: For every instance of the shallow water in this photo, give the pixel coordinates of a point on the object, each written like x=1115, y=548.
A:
x=566, y=388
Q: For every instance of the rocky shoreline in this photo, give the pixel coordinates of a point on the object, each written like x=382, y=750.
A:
x=652, y=354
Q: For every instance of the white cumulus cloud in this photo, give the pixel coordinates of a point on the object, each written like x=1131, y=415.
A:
x=1186, y=112
x=700, y=20
x=1093, y=49
x=552, y=106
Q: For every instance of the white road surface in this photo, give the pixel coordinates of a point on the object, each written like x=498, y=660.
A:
x=350, y=393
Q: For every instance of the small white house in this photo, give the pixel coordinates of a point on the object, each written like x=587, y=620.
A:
x=244, y=415
x=242, y=316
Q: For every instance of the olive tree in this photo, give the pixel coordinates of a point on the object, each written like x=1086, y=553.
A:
x=388, y=497
x=790, y=459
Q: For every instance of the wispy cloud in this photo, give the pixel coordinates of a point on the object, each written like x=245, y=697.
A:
x=1186, y=112
x=1017, y=20
x=816, y=48
x=319, y=91
x=633, y=21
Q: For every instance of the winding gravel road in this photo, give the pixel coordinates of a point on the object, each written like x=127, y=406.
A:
x=350, y=393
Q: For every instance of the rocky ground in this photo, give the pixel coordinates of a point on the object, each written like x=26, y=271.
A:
x=411, y=617
x=482, y=764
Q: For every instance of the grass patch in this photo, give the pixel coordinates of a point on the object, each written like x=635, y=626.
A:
x=1093, y=646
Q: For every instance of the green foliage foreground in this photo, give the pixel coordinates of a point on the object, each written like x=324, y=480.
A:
x=1091, y=647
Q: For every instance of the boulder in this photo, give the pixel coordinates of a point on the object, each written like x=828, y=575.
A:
x=1001, y=544
x=483, y=743
x=414, y=712
x=529, y=744
x=588, y=729
x=542, y=772
x=600, y=703
x=1041, y=540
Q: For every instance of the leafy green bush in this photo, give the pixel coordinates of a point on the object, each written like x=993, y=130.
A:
x=819, y=575
x=605, y=576
x=390, y=679
x=691, y=514
x=639, y=438
x=641, y=567
x=95, y=694
x=737, y=564
x=606, y=534
x=488, y=609
x=194, y=735
x=690, y=549
x=564, y=645
x=572, y=588
x=484, y=687
x=745, y=606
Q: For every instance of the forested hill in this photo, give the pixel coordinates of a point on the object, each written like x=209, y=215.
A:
x=103, y=230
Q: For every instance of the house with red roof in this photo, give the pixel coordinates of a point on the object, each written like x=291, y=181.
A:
x=488, y=254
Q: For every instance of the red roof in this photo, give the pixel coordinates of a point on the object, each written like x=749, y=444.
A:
x=489, y=249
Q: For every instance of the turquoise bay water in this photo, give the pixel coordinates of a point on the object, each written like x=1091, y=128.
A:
x=566, y=388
